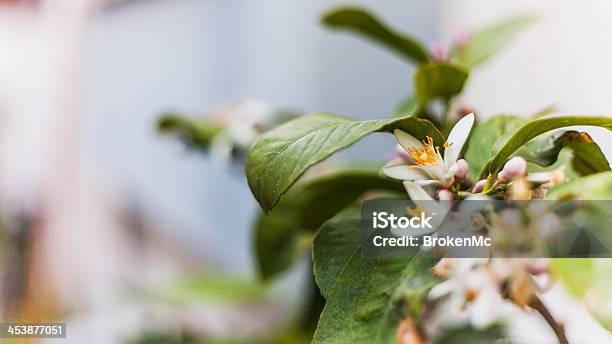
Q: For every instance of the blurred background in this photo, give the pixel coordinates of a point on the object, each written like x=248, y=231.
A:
x=124, y=233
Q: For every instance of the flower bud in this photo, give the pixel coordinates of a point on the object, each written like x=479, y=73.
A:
x=479, y=186
x=461, y=38
x=438, y=53
x=445, y=195
x=462, y=169
x=515, y=167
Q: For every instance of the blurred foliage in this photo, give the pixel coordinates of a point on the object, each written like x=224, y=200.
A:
x=194, y=133
x=483, y=43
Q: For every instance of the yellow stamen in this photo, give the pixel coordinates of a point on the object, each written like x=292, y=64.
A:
x=427, y=155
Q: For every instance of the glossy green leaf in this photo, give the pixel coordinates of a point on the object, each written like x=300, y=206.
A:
x=587, y=157
x=537, y=127
x=486, y=140
x=438, y=81
x=194, y=133
x=594, y=187
x=280, y=234
x=362, y=293
x=485, y=42
x=280, y=156
x=362, y=22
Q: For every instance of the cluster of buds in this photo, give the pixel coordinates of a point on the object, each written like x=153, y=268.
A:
x=520, y=184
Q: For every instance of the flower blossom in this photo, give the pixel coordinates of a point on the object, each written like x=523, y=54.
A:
x=424, y=165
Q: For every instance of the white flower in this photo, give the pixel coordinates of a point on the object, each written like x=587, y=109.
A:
x=427, y=166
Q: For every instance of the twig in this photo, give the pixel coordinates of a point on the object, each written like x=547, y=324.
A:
x=537, y=304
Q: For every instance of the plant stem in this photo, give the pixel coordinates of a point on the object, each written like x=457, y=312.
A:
x=537, y=304
x=489, y=184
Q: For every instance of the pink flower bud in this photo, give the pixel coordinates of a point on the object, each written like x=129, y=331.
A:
x=438, y=53
x=479, y=186
x=515, y=167
x=445, y=195
x=461, y=38
x=462, y=169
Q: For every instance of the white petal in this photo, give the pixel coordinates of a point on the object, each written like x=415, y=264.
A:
x=406, y=140
x=395, y=162
x=427, y=182
x=539, y=177
x=457, y=138
x=435, y=171
x=403, y=172
x=416, y=192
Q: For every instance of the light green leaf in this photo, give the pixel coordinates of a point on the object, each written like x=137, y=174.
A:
x=362, y=22
x=594, y=187
x=408, y=107
x=485, y=42
x=576, y=274
x=438, y=80
x=280, y=235
x=194, y=133
x=362, y=293
x=221, y=287
x=485, y=141
x=587, y=157
x=280, y=156
x=537, y=127
x=599, y=301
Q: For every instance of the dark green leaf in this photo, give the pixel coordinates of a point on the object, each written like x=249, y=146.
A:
x=485, y=141
x=438, y=81
x=279, y=234
x=468, y=334
x=485, y=42
x=361, y=293
x=194, y=133
x=594, y=187
x=537, y=127
x=587, y=156
x=362, y=22
x=280, y=156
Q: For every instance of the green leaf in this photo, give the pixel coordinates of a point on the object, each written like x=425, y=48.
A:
x=485, y=141
x=221, y=287
x=438, y=80
x=407, y=107
x=468, y=334
x=587, y=157
x=194, y=133
x=280, y=156
x=485, y=42
x=594, y=187
x=537, y=127
x=576, y=274
x=362, y=22
x=280, y=235
x=599, y=296
x=362, y=293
